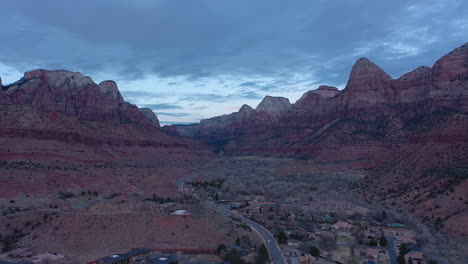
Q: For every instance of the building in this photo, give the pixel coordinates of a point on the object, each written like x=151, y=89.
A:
x=307, y=258
x=114, y=259
x=162, y=259
x=342, y=225
x=415, y=256
x=181, y=212
x=134, y=256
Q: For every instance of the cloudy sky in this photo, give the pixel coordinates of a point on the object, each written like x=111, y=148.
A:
x=194, y=59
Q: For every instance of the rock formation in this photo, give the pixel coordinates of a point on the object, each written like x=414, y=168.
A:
x=404, y=133
x=148, y=113
x=59, y=122
x=275, y=107
x=74, y=94
x=326, y=92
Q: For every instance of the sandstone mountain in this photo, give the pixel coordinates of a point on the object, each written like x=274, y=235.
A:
x=60, y=131
x=73, y=94
x=219, y=130
x=409, y=135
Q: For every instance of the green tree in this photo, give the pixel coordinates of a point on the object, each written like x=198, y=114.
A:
x=383, y=215
x=383, y=241
x=404, y=249
x=233, y=257
x=314, y=251
x=401, y=259
x=282, y=238
x=262, y=256
x=220, y=249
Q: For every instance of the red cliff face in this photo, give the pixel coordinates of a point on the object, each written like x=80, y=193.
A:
x=219, y=130
x=73, y=94
x=274, y=107
x=150, y=115
x=327, y=92
x=361, y=126
x=408, y=134
x=4, y=98
x=72, y=133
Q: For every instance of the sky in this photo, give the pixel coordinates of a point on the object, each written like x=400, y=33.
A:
x=193, y=59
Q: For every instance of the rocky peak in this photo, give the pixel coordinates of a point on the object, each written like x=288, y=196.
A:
x=418, y=73
x=327, y=88
x=73, y=94
x=60, y=78
x=4, y=98
x=245, y=113
x=365, y=70
x=310, y=99
x=110, y=88
x=148, y=113
x=245, y=108
x=275, y=106
x=453, y=66
x=326, y=91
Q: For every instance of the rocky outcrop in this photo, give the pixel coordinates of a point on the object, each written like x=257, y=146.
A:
x=148, y=113
x=370, y=95
x=217, y=131
x=326, y=92
x=310, y=100
x=60, y=131
x=74, y=94
x=452, y=67
x=4, y=98
x=370, y=118
x=275, y=107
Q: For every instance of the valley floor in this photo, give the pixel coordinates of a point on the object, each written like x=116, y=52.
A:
x=301, y=208
x=321, y=210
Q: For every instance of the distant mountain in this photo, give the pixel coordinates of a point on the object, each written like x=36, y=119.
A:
x=73, y=94
x=410, y=135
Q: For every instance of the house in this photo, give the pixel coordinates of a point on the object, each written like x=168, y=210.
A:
x=397, y=225
x=181, y=212
x=163, y=259
x=415, y=256
x=306, y=259
x=342, y=225
x=134, y=256
x=114, y=259
x=375, y=254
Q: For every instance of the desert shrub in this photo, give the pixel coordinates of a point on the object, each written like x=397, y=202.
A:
x=262, y=256
x=314, y=251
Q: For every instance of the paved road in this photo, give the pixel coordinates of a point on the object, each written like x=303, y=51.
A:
x=270, y=242
x=391, y=250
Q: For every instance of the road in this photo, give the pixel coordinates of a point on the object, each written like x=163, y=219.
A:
x=270, y=242
x=391, y=250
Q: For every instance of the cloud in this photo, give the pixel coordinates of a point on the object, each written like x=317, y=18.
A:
x=196, y=97
x=162, y=106
x=167, y=51
x=174, y=114
x=175, y=122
